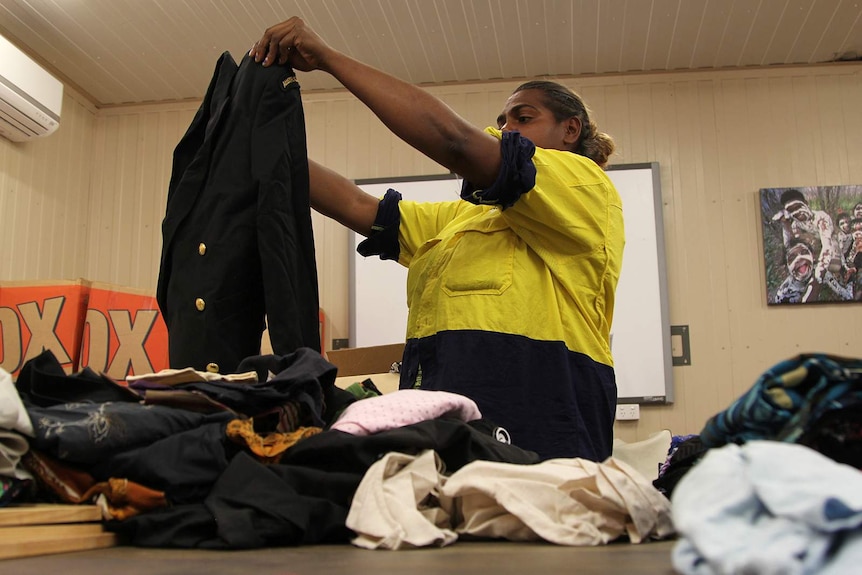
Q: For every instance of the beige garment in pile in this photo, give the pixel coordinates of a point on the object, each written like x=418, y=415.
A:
x=397, y=504
x=190, y=375
x=405, y=501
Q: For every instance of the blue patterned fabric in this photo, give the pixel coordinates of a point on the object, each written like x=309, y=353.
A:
x=787, y=399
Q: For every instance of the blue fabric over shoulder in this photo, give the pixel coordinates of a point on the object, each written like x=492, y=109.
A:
x=517, y=174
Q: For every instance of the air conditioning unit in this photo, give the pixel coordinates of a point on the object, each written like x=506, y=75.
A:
x=30, y=97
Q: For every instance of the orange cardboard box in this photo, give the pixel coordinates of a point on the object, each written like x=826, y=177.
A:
x=123, y=332
x=41, y=315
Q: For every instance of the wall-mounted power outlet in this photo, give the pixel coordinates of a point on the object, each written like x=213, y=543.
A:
x=340, y=343
x=628, y=412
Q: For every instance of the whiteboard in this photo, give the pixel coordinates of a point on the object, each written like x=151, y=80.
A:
x=640, y=334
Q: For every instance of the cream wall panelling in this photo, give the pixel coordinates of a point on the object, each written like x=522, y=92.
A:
x=718, y=137
x=133, y=151
x=44, y=198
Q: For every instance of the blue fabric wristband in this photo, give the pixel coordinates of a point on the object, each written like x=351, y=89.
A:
x=383, y=240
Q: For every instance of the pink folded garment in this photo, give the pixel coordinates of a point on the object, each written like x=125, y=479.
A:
x=404, y=407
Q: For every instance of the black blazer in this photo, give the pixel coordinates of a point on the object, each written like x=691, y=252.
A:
x=237, y=241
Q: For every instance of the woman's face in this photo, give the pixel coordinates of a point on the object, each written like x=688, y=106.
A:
x=525, y=112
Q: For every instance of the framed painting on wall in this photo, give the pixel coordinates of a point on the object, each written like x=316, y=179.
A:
x=812, y=244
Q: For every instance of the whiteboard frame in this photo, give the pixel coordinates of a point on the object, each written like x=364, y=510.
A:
x=644, y=287
x=644, y=244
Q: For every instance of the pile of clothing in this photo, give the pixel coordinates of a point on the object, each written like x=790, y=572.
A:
x=772, y=483
x=276, y=454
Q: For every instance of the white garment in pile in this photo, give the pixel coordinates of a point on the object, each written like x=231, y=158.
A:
x=407, y=501
x=14, y=425
x=769, y=508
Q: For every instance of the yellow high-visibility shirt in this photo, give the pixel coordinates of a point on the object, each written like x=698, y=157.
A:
x=513, y=307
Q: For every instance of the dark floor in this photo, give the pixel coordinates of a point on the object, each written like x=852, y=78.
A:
x=494, y=558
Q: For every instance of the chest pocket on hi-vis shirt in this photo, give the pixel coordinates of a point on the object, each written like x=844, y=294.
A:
x=481, y=263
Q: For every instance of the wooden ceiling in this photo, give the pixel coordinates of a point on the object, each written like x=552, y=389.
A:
x=132, y=51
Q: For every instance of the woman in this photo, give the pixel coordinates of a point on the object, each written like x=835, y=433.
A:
x=511, y=290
